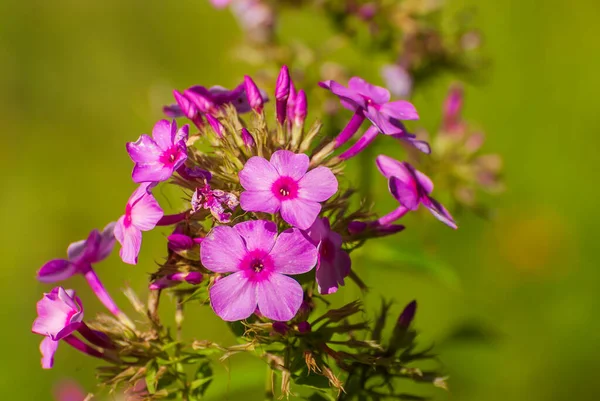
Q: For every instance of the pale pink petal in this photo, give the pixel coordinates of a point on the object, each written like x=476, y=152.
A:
x=182, y=134
x=400, y=109
x=257, y=234
x=405, y=193
x=317, y=185
x=163, y=133
x=146, y=212
x=220, y=3
x=425, y=181
x=376, y=93
x=299, y=212
x=279, y=297
x=144, y=150
x=290, y=164
x=393, y=168
x=222, y=250
x=142, y=190
x=130, y=239
x=48, y=348
x=259, y=201
x=151, y=172
x=293, y=253
x=233, y=297
x=258, y=174
x=56, y=270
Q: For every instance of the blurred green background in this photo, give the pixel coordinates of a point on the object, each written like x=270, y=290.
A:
x=511, y=304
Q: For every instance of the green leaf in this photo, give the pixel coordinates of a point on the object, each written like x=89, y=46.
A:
x=151, y=370
x=312, y=379
x=203, y=378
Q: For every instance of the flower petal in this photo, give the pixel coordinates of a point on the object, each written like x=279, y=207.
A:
x=317, y=185
x=144, y=150
x=376, y=93
x=163, y=133
x=107, y=242
x=130, y=239
x=405, y=193
x=233, y=297
x=257, y=234
x=258, y=174
x=279, y=297
x=330, y=276
x=259, y=201
x=182, y=135
x=439, y=211
x=400, y=109
x=146, y=212
x=290, y=164
x=293, y=253
x=48, y=348
x=392, y=168
x=151, y=172
x=222, y=250
x=299, y=212
x=56, y=270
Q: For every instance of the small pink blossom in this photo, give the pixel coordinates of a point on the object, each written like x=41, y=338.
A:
x=59, y=314
x=158, y=157
x=333, y=264
x=283, y=184
x=259, y=261
x=220, y=203
x=141, y=214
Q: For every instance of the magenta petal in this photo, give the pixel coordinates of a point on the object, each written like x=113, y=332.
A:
x=182, y=135
x=293, y=253
x=330, y=276
x=317, y=185
x=107, y=242
x=151, y=172
x=259, y=201
x=279, y=297
x=400, y=109
x=146, y=213
x=376, y=93
x=222, y=250
x=258, y=174
x=405, y=193
x=439, y=211
x=349, y=98
x=163, y=133
x=424, y=181
x=56, y=270
x=290, y=164
x=233, y=297
x=390, y=167
x=299, y=212
x=81, y=251
x=130, y=239
x=144, y=150
x=48, y=348
x=257, y=234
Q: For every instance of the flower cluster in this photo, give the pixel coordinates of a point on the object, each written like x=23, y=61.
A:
x=266, y=230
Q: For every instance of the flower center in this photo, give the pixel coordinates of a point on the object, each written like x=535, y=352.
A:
x=285, y=188
x=257, y=264
x=170, y=156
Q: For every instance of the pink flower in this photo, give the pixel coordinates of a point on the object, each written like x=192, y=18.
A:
x=259, y=261
x=220, y=203
x=141, y=214
x=220, y=3
x=158, y=157
x=283, y=183
x=411, y=188
x=60, y=313
x=333, y=264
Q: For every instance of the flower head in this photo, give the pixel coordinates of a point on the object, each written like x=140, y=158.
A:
x=283, y=184
x=259, y=261
x=411, y=188
x=81, y=255
x=220, y=203
x=141, y=214
x=158, y=157
x=333, y=264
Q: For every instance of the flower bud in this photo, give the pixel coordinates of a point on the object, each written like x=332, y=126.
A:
x=215, y=125
x=253, y=94
x=282, y=91
x=202, y=102
x=247, y=138
x=304, y=327
x=280, y=328
x=407, y=315
x=300, y=108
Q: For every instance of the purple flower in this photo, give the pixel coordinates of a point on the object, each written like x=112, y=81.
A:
x=81, y=256
x=142, y=213
x=397, y=79
x=158, y=157
x=411, y=188
x=59, y=314
x=259, y=261
x=220, y=203
x=451, y=118
x=283, y=183
x=333, y=264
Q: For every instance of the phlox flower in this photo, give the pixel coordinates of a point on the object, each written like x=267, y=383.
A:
x=259, y=261
x=333, y=264
x=220, y=203
x=411, y=188
x=158, y=157
x=283, y=184
x=142, y=213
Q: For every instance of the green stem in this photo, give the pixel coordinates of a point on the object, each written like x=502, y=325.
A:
x=269, y=385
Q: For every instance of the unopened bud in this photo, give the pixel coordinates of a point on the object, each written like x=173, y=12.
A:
x=247, y=138
x=282, y=91
x=253, y=94
x=300, y=108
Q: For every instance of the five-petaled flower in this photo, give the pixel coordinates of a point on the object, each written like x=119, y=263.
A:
x=334, y=263
x=141, y=214
x=259, y=260
x=283, y=184
x=411, y=188
x=59, y=314
x=158, y=157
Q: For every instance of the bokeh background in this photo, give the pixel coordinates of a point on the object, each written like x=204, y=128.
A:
x=511, y=303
